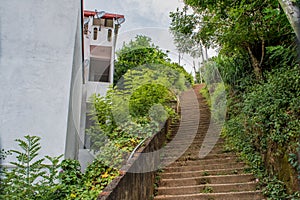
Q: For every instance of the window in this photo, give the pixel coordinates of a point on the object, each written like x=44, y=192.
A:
x=99, y=70
x=109, y=33
x=95, y=33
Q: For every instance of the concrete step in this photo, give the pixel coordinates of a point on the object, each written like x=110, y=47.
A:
x=195, y=158
x=190, y=174
x=196, y=143
x=248, y=195
x=194, y=150
x=202, y=180
x=209, y=156
x=204, y=162
x=189, y=153
x=204, y=167
x=202, y=122
x=183, y=140
x=208, y=188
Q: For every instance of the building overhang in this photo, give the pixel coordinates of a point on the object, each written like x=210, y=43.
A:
x=88, y=13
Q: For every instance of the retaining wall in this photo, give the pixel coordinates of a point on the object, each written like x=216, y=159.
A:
x=131, y=185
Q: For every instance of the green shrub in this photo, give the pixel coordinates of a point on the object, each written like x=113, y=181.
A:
x=31, y=179
x=205, y=93
x=146, y=96
x=263, y=126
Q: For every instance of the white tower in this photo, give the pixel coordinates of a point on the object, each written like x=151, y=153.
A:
x=100, y=32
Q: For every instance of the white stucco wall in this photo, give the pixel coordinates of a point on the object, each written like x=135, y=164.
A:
x=102, y=36
x=96, y=88
x=37, y=42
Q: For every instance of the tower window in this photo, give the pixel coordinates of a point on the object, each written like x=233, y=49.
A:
x=99, y=70
x=95, y=33
x=109, y=33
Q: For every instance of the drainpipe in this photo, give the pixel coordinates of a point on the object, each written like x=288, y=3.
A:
x=112, y=61
x=82, y=40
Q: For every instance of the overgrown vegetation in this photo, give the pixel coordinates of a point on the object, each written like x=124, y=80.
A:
x=140, y=102
x=142, y=52
x=49, y=177
x=259, y=65
x=263, y=126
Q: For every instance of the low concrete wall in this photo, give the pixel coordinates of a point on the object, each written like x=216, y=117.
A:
x=137, y=186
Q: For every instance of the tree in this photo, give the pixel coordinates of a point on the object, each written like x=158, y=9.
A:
x=185, y=38
x=137, y=53
x=142, y=52
x=182, y=28
x=237, y=26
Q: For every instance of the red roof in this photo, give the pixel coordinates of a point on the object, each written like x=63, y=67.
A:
x=88, y=13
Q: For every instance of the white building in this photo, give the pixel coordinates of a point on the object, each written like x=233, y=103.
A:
x=43, y=81
x=41, y=70
x=100, y=35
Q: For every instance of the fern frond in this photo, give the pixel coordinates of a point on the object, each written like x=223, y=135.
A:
x=17, y=164
x=22, y=144
x=34, y=146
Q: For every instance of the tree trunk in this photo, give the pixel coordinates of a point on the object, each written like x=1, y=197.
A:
x=292, y=11
x=255, y=64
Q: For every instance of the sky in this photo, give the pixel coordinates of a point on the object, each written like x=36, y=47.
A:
x=144, y=17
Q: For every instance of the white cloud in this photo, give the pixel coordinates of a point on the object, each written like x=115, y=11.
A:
x=138, y=13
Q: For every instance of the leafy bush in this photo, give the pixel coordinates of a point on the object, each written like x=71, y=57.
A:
x=276, y=190
x=205, y=93
x=140, y=52
x=264, y=127
x=23, y=180
x=273, y=107
x=137, y=53
x=293, y=160
x=281, y=56
x=88, y=185
x=144, y=97
x=31, y=179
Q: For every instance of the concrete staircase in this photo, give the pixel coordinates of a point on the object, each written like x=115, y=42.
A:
x=219, y=175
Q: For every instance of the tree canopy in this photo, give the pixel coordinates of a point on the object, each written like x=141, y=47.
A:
x=142, y=52
x=247, y=26
x=137, y=53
